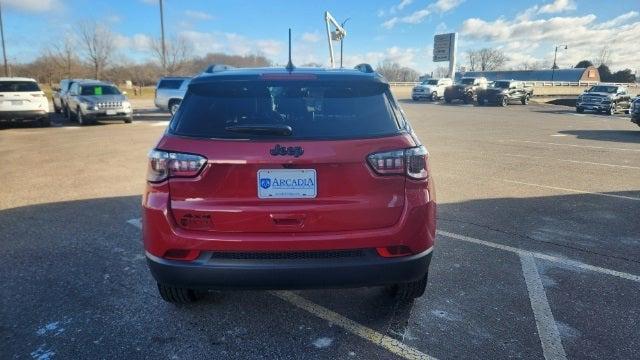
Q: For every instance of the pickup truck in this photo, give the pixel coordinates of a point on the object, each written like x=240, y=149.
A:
x=432, y=89
x=634, y=110
x=465, y=89
x=605, y=98
x=503, y=92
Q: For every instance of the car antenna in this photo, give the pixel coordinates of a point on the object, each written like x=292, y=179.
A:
x=290, y=66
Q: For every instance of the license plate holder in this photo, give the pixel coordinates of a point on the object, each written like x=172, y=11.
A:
x=287, y=183
x=111, y=112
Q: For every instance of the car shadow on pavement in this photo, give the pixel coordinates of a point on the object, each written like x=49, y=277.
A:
x=623, y=136
x=79, y=263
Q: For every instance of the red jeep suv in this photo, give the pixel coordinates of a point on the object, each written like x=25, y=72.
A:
x=288, y=179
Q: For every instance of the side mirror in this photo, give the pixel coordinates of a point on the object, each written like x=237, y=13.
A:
x=124, y=93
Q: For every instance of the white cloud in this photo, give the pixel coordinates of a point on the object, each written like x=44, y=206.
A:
x=584, y=35
x=557, y=6
x=402, y=56
x=446, y=5
x=232, y=43
x=311, y=37
x=198, y=15
x=418, y=16
x=137, y=42
x=618, y=21
x=31, y=5
x=400, y=6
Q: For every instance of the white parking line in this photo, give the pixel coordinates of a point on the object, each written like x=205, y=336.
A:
x=137, y=222
x=161, y=123
x=569, y=190
x=572, y=145
x=388, y=343
x=545, y=323
x=574, y=161
x=566, y=262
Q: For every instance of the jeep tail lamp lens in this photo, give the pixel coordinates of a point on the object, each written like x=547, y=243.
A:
x=164, y=165
x=412, y=162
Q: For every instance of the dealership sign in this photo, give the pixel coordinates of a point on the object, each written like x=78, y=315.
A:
x=444, y=46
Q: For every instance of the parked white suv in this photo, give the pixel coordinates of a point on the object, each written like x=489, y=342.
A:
x=432, y=89
x=169, y=93
x=21, y=99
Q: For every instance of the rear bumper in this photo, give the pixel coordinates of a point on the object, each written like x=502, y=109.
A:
x=209, y=272
x=22, y=115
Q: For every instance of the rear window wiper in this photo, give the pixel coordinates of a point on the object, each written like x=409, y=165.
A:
x=261, y=129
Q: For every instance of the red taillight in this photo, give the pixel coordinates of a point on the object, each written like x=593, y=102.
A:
x=412, y=162
x=164, y=165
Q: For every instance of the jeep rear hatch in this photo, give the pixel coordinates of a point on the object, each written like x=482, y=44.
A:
x=311, y=139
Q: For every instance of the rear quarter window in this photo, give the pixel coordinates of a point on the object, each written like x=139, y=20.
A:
x=313, y=109
x=170, y=84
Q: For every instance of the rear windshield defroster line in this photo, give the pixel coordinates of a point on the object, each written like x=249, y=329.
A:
x=311, y=109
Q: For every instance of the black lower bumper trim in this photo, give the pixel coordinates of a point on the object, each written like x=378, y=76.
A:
x=23, y=115
x=368, y=270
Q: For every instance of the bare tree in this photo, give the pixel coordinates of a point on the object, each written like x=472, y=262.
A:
x=393, y=71
x=603, y=57
x=178, y=52
x=98, y=44
x=65, y=55
x=441, y=72
x=472, y=59
x=491, y=59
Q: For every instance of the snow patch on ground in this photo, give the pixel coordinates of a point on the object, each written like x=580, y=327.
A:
x=42, y=353
x=323, y=342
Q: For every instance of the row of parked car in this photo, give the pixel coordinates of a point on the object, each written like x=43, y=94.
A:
x=601, y=98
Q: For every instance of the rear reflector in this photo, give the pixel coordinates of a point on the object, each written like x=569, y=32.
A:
x=412, y=162
x=394, y=251
x=164, y=165
x=181, y=254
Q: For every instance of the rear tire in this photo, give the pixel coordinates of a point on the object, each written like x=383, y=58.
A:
x=128, y=120
x=579, y=110
x=611, y=110
x=80, y=118
x=434, y=96
x=45, y=121
x=178, y=295
x=447, y=100
x=504, y=101
x=525, y=100
x=409, y=291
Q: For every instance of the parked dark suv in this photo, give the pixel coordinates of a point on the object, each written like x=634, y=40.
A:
x=288, y=179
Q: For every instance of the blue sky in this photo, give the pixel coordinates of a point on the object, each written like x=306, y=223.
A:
x=399, y=30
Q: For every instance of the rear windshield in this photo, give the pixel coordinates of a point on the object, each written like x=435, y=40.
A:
x=170, y=84
x=312, y=110
x=430, y=82
x=468, y=81
x=604, y=89
x=18, y=86
x=99, y=90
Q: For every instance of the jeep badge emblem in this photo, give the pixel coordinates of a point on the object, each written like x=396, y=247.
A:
x=295, y=151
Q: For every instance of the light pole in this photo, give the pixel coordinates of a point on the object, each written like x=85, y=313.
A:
x=555, y=56
x=4, y=52
x=164, y=51
x=342, y=41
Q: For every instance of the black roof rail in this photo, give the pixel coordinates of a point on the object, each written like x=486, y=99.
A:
x=217, y=67
x=365, y=68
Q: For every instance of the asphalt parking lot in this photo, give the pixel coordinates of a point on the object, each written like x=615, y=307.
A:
x=537, y=255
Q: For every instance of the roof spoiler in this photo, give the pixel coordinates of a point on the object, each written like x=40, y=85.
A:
x=213, y=68
x=365, y=68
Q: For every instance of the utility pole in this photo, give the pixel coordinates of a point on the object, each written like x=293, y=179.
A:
x=164, y=50
x=342, y=41
x=555, y=66
x=4, y=51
